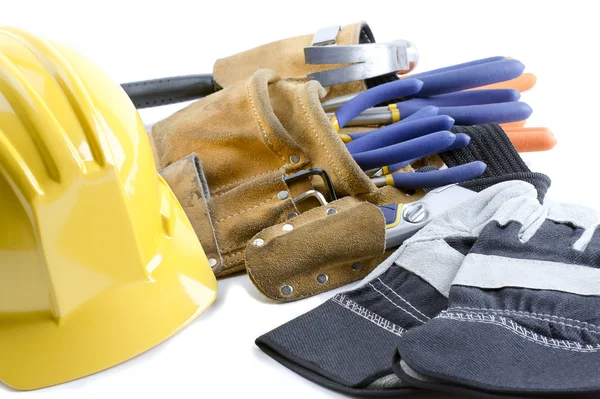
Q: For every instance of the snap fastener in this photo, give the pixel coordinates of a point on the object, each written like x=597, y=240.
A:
x=331, y=211
x=287, y=290
x=322, y=278
x=295, y=158
x=356, y=266
x=292, y=215
x=259, y=242
x=283, y=195
x=288, y=227
x=212, y=262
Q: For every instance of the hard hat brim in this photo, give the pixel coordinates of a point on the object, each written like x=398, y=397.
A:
x=40, y=350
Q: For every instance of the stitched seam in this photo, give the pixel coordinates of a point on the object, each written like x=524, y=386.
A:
x=228, y=264
x=548, y=320
x=242, y=212
x=261, y=126
x=234, y=260
x=234, y=254
x=221, y=188
x=528, y=262
x=231, y=249
x=527, y=313
x=367, y=314
x=396, y=305
x=317, y=136
x=522, y=332
x=404, y=300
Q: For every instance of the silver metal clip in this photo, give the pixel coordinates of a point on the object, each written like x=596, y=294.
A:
x=326, y=36
x=310, y=194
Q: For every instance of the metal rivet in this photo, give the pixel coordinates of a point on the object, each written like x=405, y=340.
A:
x=415, y=213
x=287, y=290
x=356, y=266
x=287, y=227
x=331, y=211
x=259, y=242
x=322, y=278
x=283, y=195
x=212, y=262
x=295, y=158
x=292, y=215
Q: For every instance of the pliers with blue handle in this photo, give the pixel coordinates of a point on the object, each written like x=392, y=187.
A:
x=406, y=141
x=466, y=108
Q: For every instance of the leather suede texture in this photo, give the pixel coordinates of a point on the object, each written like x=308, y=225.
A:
x=325, y=248
x=227, y=157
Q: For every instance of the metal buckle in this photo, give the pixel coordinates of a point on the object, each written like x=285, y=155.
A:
x=310, y=194
x=305, y=174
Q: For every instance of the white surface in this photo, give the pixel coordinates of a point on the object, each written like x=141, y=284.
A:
x=134, y=40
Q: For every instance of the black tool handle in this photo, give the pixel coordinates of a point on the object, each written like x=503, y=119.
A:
x=156, y=92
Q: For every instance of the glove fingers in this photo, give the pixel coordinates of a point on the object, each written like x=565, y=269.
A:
x=523, y=315
x=505, y=351
x=578, y=215
x=507, y=240
x=555, y=236
x=506, y=359
x=592, y=247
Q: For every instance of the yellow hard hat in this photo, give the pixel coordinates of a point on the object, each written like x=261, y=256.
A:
x=98, y=261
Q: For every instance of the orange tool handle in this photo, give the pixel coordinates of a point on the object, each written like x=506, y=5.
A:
x=513, y=124
x=521, y=84
x=531, y=139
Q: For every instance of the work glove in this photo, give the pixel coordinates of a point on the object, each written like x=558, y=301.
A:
x=523, y=315
x=347, y=344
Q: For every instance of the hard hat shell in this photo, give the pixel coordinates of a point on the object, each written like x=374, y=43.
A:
x=98, y=261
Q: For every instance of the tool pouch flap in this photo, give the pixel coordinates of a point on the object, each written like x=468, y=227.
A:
x=226, y=222
x=186, y=179
x=317, y=251
x=287, y=58
x=247, y=208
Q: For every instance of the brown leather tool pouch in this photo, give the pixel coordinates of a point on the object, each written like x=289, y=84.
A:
x=229, y=158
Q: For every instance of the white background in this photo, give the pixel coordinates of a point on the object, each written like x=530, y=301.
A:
x=216, y=355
